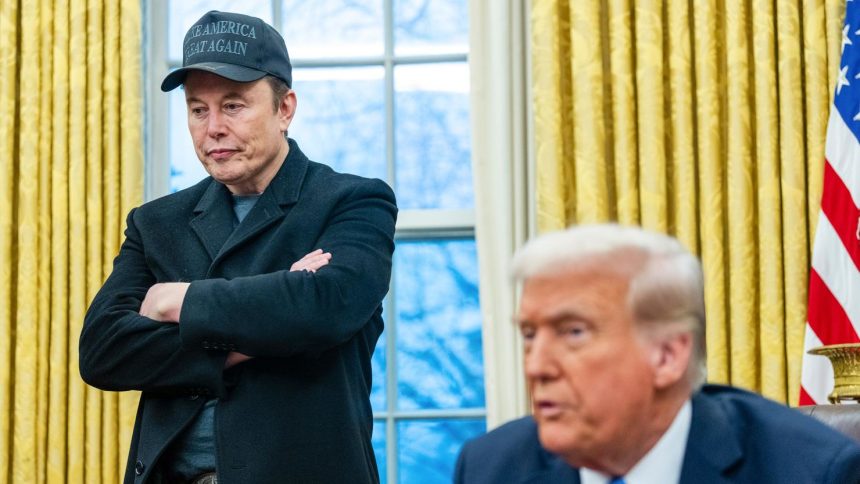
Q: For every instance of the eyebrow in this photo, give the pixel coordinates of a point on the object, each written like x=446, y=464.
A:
x=229, y=96
x=556, y=318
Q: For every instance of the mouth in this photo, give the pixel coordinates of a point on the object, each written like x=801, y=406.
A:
x=220, y=154
x=547, y=409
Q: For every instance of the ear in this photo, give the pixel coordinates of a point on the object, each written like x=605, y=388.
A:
x=287, y=109
x=671, y=358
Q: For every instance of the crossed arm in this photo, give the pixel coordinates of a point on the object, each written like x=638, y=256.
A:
x=163, y=301
x=128, y=342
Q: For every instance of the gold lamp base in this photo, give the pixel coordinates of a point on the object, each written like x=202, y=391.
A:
x=845, y=359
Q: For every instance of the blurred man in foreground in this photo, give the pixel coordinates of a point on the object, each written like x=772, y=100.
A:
x=613, y=324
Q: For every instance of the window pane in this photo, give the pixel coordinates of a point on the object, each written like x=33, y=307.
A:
x=439, y=360
x=340, y=119
x=431, y=27
x=427, y=449
x=433, y=138
x=333, y=28
x=185, y=167
x=378, y=442
x=183, y=14
x=377, y=365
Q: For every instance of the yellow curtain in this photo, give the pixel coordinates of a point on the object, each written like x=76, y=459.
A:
x=71, y=150
x=705, y=119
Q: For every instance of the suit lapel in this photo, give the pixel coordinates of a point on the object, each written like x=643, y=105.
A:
x=713, y=447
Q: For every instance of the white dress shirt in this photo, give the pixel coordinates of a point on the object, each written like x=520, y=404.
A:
x=662, y=464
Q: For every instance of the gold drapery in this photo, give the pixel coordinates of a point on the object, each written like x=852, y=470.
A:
x=707, y=120
x=70, y=141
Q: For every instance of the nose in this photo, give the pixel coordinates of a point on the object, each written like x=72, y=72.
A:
x=540, y=360
x=216, y=127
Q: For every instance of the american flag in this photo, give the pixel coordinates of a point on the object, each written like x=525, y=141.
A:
x=834, y=279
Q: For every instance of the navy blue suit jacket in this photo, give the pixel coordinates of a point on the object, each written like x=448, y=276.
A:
x=299, y=411
x=735, y=436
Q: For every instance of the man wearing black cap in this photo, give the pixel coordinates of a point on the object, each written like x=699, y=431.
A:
x=250, y=344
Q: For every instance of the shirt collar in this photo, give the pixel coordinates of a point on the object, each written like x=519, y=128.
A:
x=662, y=464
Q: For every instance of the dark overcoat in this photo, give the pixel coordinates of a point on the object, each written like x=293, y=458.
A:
x=299, y=411
x=735, y=437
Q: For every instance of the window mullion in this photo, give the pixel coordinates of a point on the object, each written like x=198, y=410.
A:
x=391, y=386
x=277, y=18
x=389, y=91
x=392, y=464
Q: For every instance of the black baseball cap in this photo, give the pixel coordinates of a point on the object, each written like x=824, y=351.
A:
x=235, y=46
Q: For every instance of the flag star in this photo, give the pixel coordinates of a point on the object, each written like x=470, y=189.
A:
x=856, y=116
x=843, y=79
x=845, y=39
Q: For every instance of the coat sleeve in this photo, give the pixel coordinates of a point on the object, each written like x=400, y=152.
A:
x=284, y=313
x=121, y=350
x=459, y=476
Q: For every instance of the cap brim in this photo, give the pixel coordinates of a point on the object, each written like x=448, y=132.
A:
x=229, y=71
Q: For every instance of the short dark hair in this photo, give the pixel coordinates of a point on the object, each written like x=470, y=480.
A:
x=279, y=90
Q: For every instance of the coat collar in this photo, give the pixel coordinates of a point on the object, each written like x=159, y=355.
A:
x=213, y=223
x=713, y=446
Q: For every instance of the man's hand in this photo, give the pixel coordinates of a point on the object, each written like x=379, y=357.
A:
x=234, y=358
x=163, y=301
x=310, y=262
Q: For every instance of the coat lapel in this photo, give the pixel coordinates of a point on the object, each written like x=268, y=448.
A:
x=214, y=224
x=214, y=221
x=265, y=212
x=713, y=447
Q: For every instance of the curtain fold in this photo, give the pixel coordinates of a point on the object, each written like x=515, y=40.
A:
x=705, y=119
x=553, y=110
x=71, y=140
x=8, y=144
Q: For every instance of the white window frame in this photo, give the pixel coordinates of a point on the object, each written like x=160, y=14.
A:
x=503, y=167
x=491, y=26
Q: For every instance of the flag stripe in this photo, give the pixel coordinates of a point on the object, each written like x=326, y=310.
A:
x=843, y=153
x=816, y=377
x=841, y=212
x=833, y=264
x=826, y=316
x=805, y=399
